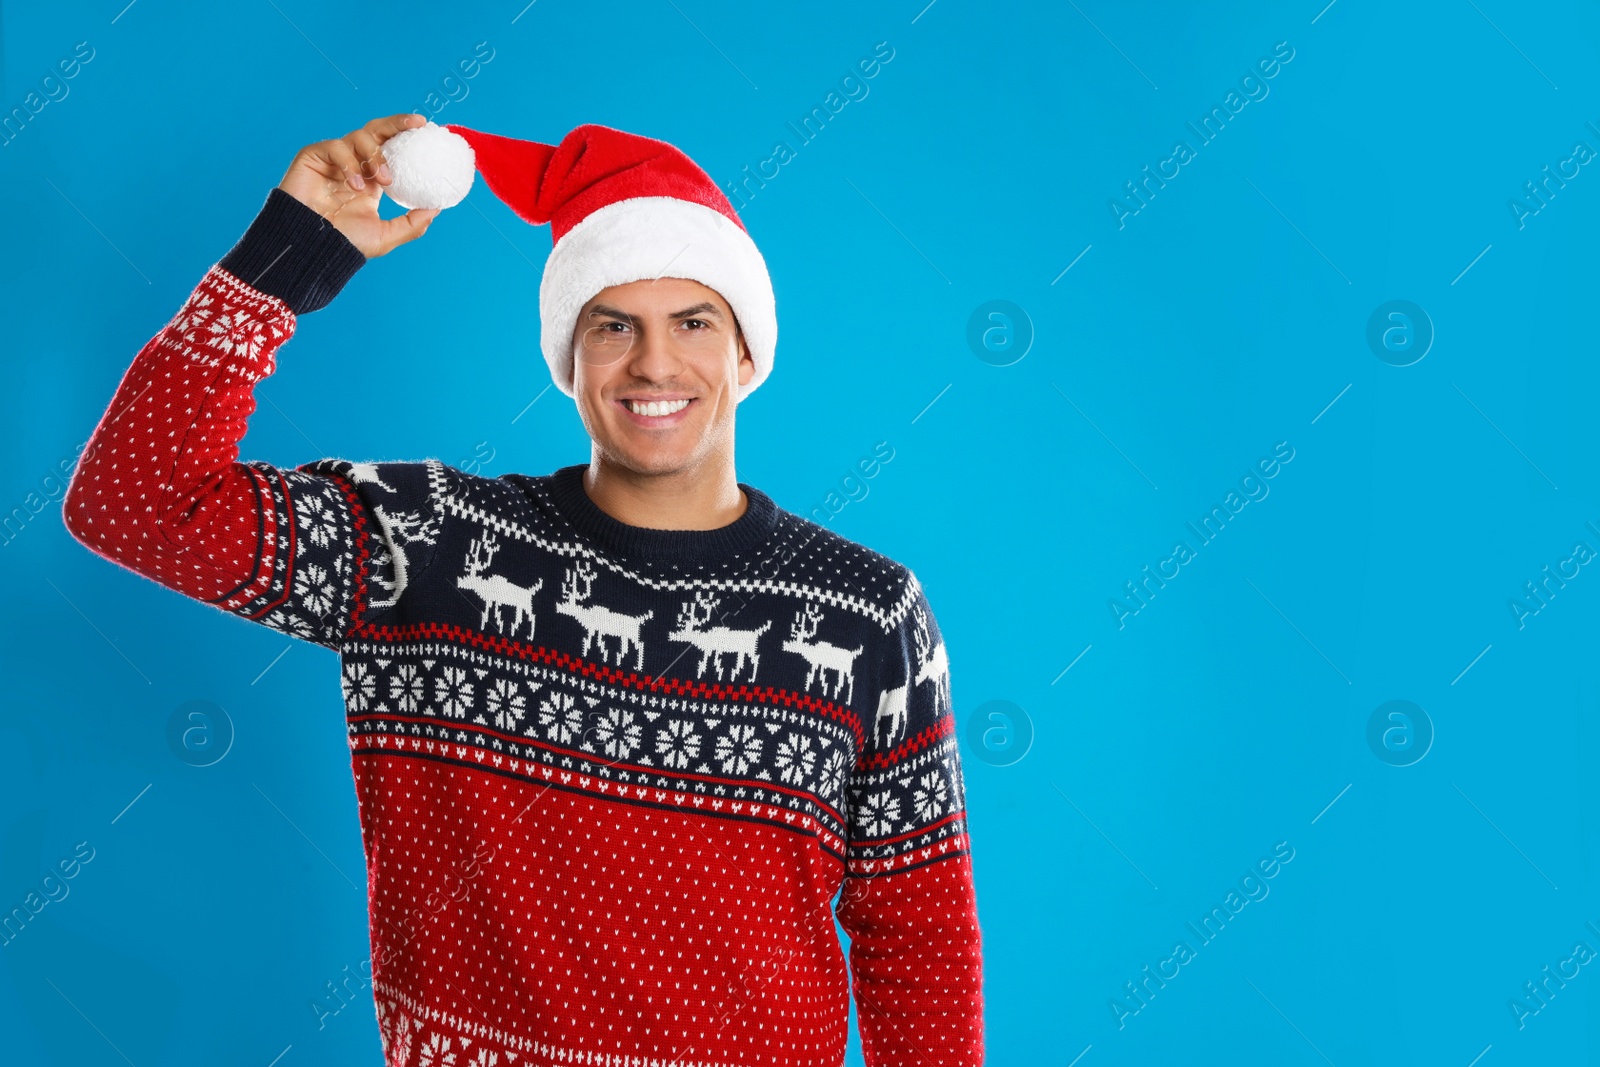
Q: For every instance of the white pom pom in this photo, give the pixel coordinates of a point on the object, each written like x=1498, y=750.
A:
x=432, y=167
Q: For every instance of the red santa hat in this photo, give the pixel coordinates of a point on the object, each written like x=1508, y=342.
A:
x=621, y=208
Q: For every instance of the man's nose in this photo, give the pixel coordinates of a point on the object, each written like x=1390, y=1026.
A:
x=655, y=356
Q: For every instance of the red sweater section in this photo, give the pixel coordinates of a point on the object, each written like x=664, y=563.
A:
x=159, y=488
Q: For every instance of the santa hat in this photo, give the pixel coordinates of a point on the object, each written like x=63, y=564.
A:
x=621, y=208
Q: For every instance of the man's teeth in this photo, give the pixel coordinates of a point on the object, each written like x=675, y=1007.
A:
x=666, y=407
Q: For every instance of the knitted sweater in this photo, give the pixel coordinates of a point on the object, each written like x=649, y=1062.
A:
x=614, y=782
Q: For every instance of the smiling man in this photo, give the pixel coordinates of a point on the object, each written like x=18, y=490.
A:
x=627, y=737
x=660, y=368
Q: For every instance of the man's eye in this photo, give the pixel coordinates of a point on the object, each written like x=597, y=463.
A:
x=702, y=322
x=619, y=325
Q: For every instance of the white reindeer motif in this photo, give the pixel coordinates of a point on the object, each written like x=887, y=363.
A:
x=367, y=474
x=891, y=710
x=822, y=656
x=495, y=590
x=600, y=622
x=399, y=530
x=931, y=664
x=717, y=641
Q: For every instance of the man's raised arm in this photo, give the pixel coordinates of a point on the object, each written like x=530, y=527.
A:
x=159, y=488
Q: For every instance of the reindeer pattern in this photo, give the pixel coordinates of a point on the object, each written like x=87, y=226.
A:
x=822, y=657
x=714, y=642
x=726, y=653
x=723, y=652
x=495, y=590
x=400, y=531
x=600, y=622
x=929, y=664
x=821, y=652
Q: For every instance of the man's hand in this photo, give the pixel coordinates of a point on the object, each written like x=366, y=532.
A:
x=343, y=180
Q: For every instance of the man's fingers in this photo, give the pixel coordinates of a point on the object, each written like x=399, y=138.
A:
x=386, y=127
x=343, y=178
x=367, y=152
x=342, y=162
x=408, y=227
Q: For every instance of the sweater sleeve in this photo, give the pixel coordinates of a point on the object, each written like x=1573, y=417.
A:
x=159, y=488
x=907, y=902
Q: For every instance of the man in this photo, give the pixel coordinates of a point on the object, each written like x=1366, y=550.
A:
x=626, y=737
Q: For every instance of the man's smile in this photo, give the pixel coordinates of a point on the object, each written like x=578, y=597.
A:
x=656, y=412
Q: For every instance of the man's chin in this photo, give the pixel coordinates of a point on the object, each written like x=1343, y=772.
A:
x=643, y=459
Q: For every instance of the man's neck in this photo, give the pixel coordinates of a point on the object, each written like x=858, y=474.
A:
x=706, y=497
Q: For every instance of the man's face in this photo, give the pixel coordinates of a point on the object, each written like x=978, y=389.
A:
x=662, y=341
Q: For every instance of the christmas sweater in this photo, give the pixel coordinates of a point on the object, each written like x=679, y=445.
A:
x=614, y=782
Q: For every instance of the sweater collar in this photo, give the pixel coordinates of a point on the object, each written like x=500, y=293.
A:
x=641, y=542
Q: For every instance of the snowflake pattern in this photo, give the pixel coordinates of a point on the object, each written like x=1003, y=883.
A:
x=235, y=332
x=196, y=312
x=506, y=703
x=879, y=813
x=834, y=769
x=958, y=782
x=453, y=693
x=618, y=733
x=677, y=744
x=314, y=588
x=437, y=1052
x=922, y=791
x=286, y=622
x=397, y=1032
x=228, y=322
x=360, y=685
x=739, y=749
x=561, y=718
x=795, y=758
x=930, y=795
x=406, y=688
x=316, y=521
x=304, y=586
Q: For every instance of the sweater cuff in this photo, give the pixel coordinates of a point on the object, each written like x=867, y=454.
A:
x=291, y=252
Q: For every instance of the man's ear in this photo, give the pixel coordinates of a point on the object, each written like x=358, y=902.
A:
x=747, y=362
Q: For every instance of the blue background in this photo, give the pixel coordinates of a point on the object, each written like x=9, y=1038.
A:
x=1228, y=715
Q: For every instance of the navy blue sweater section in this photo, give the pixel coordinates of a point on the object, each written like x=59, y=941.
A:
x=291, y=252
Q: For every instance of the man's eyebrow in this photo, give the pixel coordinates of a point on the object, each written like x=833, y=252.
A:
x=610, y=312
x=703, y=308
